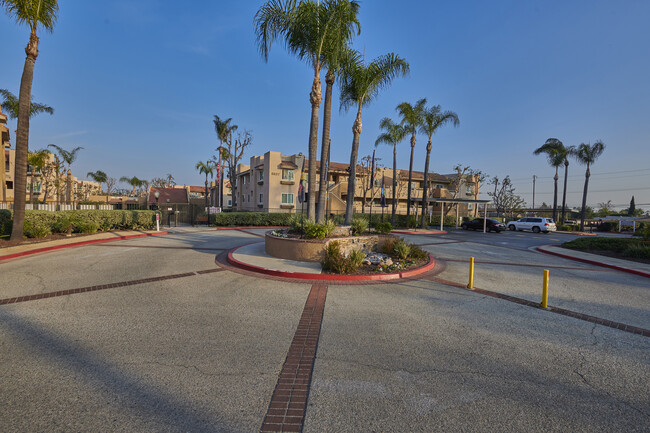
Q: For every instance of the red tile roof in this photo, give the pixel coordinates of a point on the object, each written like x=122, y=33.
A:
x=175, y=195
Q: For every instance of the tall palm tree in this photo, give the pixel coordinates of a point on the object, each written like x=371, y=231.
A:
x=587, y=154
x=566, y=153
x=207, y=168
x=360, y=85
x=32, y=13
x=224, y=129
x=10, y=104
x=394, y=134
x=37, y=161
x=100, y=177
x=133, y=181
x=337, y=49
x=432, y=119
x=305, y=28
x=556, y=155
x=68, y=157
x=411, y=120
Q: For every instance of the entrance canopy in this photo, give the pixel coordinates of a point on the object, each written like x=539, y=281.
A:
x=442, y=202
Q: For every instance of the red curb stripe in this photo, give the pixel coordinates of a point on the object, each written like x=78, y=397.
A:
x=585, y=317
x=103, y=287
x=288, y=405
x=594, y=262
x=77, y=244
x=443, y=232
x=252, y=227
x=330, y=277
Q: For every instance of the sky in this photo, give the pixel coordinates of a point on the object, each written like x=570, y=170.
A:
x=136, y=83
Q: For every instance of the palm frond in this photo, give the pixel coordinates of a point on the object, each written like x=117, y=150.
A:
x=33, y=12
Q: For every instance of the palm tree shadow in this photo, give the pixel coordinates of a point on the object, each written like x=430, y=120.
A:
x=145, y=400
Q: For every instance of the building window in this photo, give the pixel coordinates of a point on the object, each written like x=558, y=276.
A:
x=229, y=203
x=261, y=176
x=468, y=190
x=470, y=206
x=261, y=199
x=287, y=174
x=287, y=198
x=243, y=180
x=439, y=186
x=10, y=184
x=249, y=198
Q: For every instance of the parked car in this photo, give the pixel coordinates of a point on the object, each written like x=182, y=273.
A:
x=490, y=225
x=536, y=224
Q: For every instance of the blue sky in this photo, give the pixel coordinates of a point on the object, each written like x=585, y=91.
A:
x=137, y=82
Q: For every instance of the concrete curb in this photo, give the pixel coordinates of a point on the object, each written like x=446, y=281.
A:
x=77, y=244
x=593, y=262
x=251, y=227
x=329, y=277
x=423, y=232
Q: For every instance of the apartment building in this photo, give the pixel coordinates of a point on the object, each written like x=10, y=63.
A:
x=269, y=183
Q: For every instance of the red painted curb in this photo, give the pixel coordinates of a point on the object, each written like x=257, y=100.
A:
x=77, y=244
x=594, y=262
x=252, y=227
x=329, y=277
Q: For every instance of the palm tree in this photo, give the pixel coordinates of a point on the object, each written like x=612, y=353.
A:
x=587, y=154
x=37, y=161
x=360, y=85
x=10, y=104
x=335, y=54
x=32, y=13
x=394, y=133
x=133, y=181
x=566, y=152
x=224, y=130
x=207, y=168
x=411, y=120
x=100, y=177
x=306, y=28
x=68, y=157
x=432, y=119
x=556, y=154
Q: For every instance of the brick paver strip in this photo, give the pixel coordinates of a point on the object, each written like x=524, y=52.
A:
x=286, y=412
x=18, y=299
x=159, y=246
x=587, y=318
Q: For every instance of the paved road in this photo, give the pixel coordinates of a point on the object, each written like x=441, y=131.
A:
x=188, y=350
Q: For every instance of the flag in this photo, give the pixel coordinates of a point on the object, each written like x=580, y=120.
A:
x=372, y=171
x=302, y=186
x=383, y=192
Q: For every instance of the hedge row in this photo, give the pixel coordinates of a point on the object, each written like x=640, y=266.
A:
x=42, y=223
x=284, y=219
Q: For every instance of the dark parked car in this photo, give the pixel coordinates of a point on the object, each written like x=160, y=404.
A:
x=490, y=224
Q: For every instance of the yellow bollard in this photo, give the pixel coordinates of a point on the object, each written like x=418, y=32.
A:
x=545, y=290
x=470, y=285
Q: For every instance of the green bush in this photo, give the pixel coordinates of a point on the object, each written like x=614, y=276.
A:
x=384, y=228
x=82, y=221
x=359, y=225
x=402, y=249
x=418, y=253
x=638, y=251
x=263, y=219
x=598, y=243
x=318, y=231
x=336, y=262
x=607, y=227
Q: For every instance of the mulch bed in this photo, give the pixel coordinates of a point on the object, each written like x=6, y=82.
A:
x=371, y=269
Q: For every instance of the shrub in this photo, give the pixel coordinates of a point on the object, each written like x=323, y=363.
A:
x=388, y=246
x=402, y=249
x=607, y=227
x=36, y=230
x=359, y=225
x=638, y=251
x=251, y=219
x=336, y=262
x=384, y=228
x=5, y=222
x=418, y=253
x=598, y=243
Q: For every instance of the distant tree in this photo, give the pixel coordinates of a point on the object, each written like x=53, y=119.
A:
x=133, y=181
x=32, y=13
x=632, y=209
x=554, y=151
x=394, y=134
x=110, y=185
x=208, y=169
x=366, y=185
x=68, y=157
x=10, y=105
x=224, y=130
x=412, y=119
x=100, y=177
x=37, y=161
x=163, y=182
x=464, y=176
x=504, y=198
x=235, y=151
x=587, y=155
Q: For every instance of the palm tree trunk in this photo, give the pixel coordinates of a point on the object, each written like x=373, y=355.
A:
x=356, y=132
x=220, y=175
x=425, y=189
x=555, y=178
x=584, y=200
x=315, y=97
x=394, y=203
x=408, y=194
x=325, y=146
x=206, y=190
x=566, y=174
x=68, y=192
x=22, y=138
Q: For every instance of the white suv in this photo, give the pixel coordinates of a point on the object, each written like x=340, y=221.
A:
x=536, y=224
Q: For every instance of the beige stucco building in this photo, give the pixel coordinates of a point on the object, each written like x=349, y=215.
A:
x=270, y=183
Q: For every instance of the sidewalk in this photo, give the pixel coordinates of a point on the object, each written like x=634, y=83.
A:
x=39, y=247
x=637, y=268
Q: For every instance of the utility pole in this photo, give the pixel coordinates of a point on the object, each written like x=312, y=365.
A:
x=534, y=178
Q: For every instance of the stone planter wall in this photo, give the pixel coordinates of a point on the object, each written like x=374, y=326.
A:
x=313, y=250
